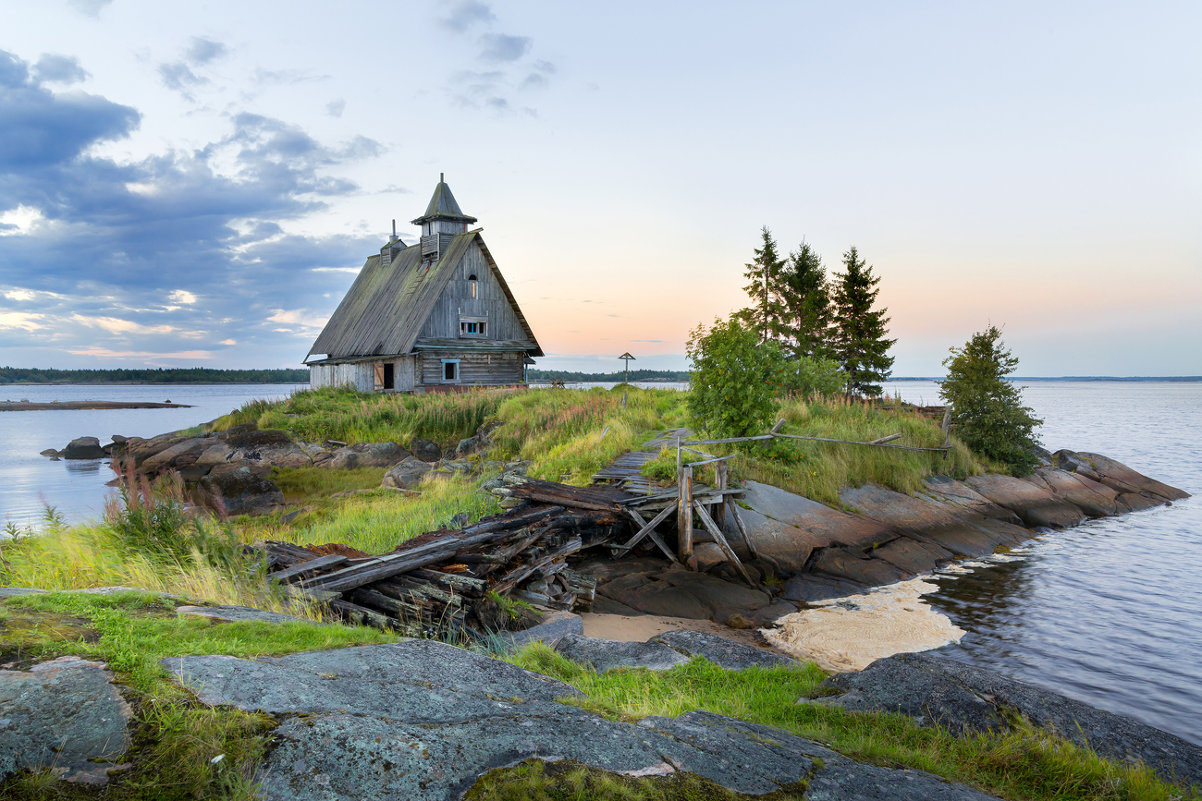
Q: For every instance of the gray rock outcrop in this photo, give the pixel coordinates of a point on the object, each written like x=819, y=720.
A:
x=422, y=720
x=408, y=474
x=882, y=536
x=935, y=689
x=65, y=716
x=366, y=454
x=239, y=490
x=83, y=448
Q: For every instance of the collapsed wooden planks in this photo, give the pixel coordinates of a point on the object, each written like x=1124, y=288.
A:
x=451, y=581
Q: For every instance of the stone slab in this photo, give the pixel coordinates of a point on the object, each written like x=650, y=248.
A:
x=234, y=614
x=65, y=716
x=721, y=651
x=603, y=655
x=933, y=688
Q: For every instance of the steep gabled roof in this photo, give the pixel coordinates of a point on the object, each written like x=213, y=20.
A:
x=443, y=206
x=386, y=306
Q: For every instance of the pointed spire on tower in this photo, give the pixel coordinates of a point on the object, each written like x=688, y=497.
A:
x=443, y=206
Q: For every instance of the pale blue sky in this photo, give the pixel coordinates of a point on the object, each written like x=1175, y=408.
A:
x=197, y=183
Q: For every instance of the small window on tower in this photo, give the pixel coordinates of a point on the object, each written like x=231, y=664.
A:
x=472, y=278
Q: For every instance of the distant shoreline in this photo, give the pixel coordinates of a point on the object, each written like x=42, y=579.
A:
x=61, y=406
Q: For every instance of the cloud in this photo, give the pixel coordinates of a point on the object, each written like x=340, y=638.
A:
x=491, y=89
x=39, y=128
x=59, y=69
x=466, y=14
x=500, y=47
x=115, y=325
x=228, y=342
x=141, y=355
x=335, y=108
x=23, y=321
x=202, y=51
x=89, y=7
x=179, y=77
x=139, y=257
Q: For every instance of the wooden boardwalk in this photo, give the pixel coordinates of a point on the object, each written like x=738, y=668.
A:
x=627, y=470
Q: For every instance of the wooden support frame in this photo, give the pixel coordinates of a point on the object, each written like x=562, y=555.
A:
x=648, y=530
x=716, y=533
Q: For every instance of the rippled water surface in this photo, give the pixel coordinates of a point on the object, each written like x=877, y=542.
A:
x=76, y=489
x=1109, y=612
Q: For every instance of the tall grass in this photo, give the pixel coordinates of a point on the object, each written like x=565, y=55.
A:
x=379, y=521
x=819, y=470
x=347, y=415
x=564, y=432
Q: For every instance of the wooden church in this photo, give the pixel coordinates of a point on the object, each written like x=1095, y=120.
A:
x=432, y=316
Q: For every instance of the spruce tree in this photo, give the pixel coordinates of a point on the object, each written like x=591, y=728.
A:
x=987, y=410
x=805, y=298
x=763, y=275
x=860, y=344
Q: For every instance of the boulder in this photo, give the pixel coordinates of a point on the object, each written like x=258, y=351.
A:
x=83, y=448
x=721, y=651
x=554, y=626
x=408, y=474
x=51, y=452
x=935, y=689
x=217, y=453
x=65, y=716
x=283, y=454
x=467, y=447
x=1032, y=502
x=366, y=454
x=426, y=450
x=604, y=655
x=176, y=456
x=238, y=490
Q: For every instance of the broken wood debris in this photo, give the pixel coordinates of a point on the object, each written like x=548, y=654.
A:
x=453, y=581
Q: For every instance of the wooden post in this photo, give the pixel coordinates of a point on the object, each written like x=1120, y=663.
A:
x=721, y=477
x=684, y=514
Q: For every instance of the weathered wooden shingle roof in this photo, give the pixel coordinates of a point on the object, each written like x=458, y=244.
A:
x=443, y=206
x=386, y=306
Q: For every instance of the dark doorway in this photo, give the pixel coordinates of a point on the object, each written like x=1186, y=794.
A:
x=389, y=372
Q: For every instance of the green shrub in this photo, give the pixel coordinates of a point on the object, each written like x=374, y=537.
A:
x=735, y=379
x=987, y=410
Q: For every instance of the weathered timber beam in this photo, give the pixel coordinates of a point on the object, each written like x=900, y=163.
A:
x=305, y=569
x=716, y=533
x=354, y=613
x=734, y=509
x=564, y=495
x=516, y=576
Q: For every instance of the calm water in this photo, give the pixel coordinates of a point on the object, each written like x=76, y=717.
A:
x=76, y=489
x=1109, y=612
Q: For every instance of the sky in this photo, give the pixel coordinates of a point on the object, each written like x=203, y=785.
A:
x=198, y=184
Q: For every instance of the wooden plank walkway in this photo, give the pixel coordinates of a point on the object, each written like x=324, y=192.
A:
x=627, y=470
